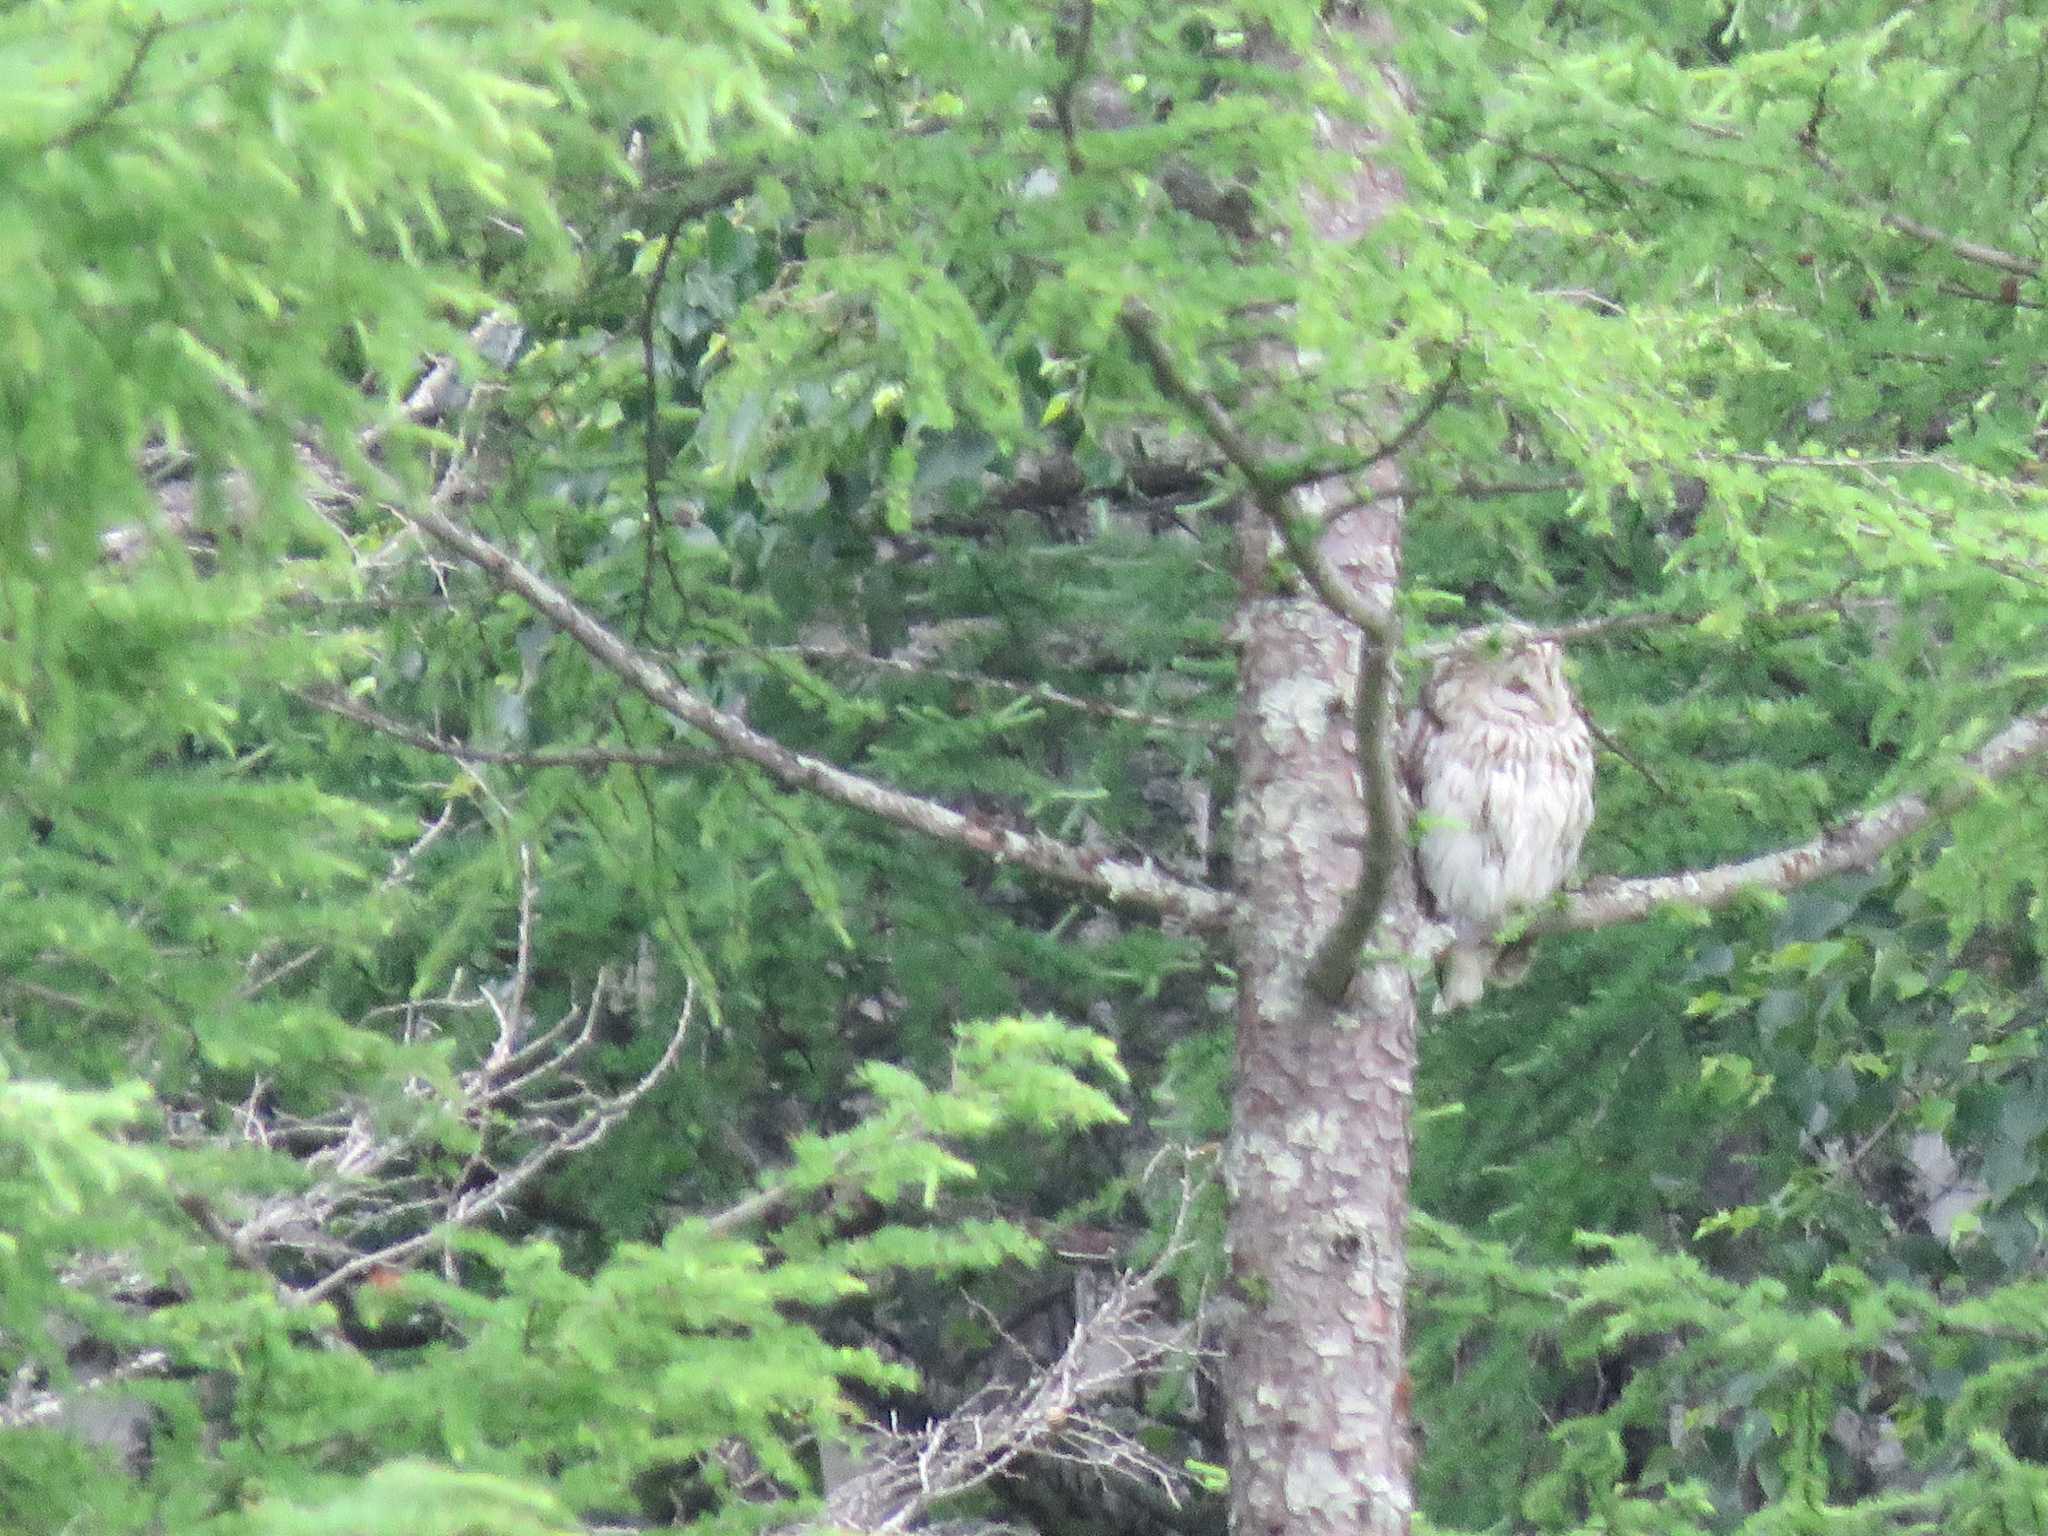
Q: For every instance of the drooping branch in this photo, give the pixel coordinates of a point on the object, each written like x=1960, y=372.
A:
x=1127, y=883
x=118, y=96
x=1336, y=958
x=1268, y=493
x=1851, y=844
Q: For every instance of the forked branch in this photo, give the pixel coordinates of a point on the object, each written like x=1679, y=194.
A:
x=1268, y=491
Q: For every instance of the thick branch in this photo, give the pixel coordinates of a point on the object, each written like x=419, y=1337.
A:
x=1131, y=884
x=1851, y=844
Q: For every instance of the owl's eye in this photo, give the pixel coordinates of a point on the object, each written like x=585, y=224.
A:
x=1521, y=687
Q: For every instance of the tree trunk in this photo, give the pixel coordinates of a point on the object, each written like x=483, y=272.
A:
x=1319, y=1151
x=1318, y=1165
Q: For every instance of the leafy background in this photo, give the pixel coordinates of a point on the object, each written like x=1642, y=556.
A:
x=1728, y=1224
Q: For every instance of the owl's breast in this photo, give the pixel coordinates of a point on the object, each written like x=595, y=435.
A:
x=1505, y=812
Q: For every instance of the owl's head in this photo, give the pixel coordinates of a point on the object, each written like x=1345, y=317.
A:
x=1521, y=685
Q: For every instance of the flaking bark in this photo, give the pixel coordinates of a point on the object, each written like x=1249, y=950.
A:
x=1319, y=1152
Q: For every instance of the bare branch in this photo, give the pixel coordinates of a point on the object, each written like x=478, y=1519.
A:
x=474, y=1204
x=1852, y=844
x=270, y=978
x=758, y=1206
x=1131, y=884
x=909, y=1473
x=512, y=1018
x=441, y=391
x=402, y=866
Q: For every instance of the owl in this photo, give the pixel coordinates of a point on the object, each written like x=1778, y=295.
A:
x=1500, y=764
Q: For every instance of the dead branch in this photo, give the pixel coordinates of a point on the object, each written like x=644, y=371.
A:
x=908, y=1473
x=498, y=1089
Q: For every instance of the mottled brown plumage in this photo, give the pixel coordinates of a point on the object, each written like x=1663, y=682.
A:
x=1500, y=764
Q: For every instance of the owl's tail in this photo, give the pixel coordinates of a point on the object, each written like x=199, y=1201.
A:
x=1462, y=977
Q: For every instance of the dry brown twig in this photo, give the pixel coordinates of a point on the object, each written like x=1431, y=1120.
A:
x=524, y=1099
x=907, y=1474
x=566, y=1124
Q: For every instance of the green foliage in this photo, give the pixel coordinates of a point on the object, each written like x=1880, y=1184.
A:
x=222, y=227
x=818, y=396
x=1788, y=1397
x=529, y=1375
x=1807, y=1131
x=437, y=1501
